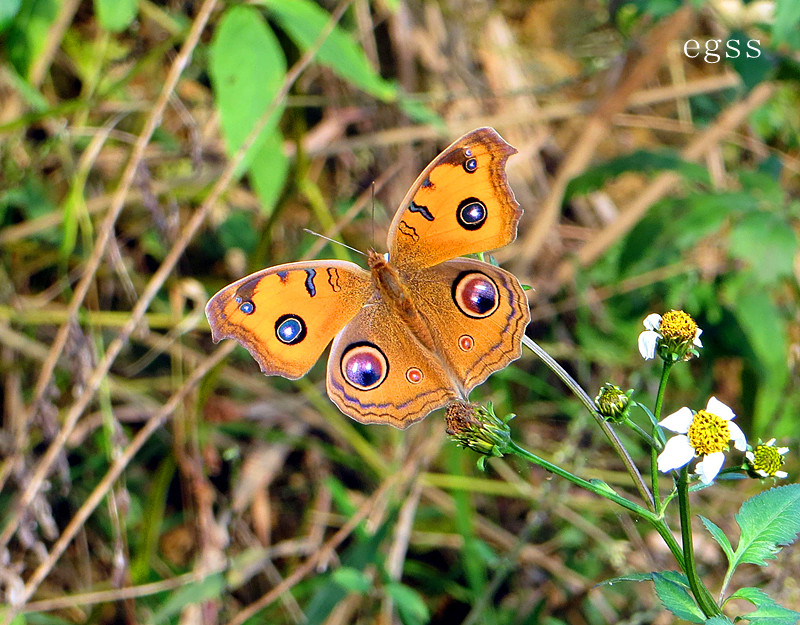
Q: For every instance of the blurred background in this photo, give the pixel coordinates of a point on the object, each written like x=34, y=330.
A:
x=148, y=475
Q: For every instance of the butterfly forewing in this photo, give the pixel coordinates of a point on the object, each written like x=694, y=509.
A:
x=286, y=315
x=460, y=204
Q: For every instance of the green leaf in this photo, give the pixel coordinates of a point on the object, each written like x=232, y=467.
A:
x=718, y=620
x=767, y=612
x=753, y=69
x=247, y=69
x=269, y=170
x=352, y=580
x=27, y=35
x=304, y=20
x=767, y=243
x=116, y=15
x=769, y=521
x=764, y=326
x=676, y=598
x=630, y=577
x=237, y=231
x=209, y=588
x=421, y=113
x=8, y=11
x=718, y=535
x=410, y=605
x=787, y=18
x=639, y=161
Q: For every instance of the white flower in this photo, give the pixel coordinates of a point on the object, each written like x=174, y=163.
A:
x=766, y=459
x=705, y=433
x=678, y=323
x=648, y=338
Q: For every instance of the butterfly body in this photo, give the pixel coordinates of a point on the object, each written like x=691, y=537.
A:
x=422, y=327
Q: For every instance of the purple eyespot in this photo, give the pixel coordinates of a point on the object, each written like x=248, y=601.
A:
x=364, y=366
x=475, y=295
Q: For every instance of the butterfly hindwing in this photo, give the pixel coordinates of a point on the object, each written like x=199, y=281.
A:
x=378, y=372
x=479, y=313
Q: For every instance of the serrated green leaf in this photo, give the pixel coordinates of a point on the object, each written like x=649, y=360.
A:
x=768, y=521
x=116, y=15
x=676, y=598
x=675, y=577
x=718, y=620
x=767, y=612
x=247, y=69
x=410, y=605
x=756, y=596
x=304, y=20
x=718, y=535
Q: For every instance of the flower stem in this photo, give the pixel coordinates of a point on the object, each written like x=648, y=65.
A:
x=598, y=488
x=652, y=442
x=701, y=593
x=662, y=387
x=603, y=490
x=604, y=425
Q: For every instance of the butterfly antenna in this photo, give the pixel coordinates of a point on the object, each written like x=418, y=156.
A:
x=373, y=214
x=322, y=236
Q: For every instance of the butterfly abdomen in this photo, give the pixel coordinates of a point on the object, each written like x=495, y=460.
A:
x=394, y=291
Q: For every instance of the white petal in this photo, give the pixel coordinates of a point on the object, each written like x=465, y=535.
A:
x=678, y=421
x=750, y=456
x=737, y=436
x=647, y=344
x=677, y=452
x=715, y=406
x=697, y=340
x=652, y=321
x=770, y=442
x=781, y=474
x=709, y=466
x=782, y=450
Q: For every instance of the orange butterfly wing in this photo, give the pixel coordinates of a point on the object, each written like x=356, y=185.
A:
x=480, y=313
x=460, y=204
x=286, y=315
x=378, y=372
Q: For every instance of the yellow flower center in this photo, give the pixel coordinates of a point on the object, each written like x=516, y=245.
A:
x=767, y=459
x=709, y=433
x=678, y=326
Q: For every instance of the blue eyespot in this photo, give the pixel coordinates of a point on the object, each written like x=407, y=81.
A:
x=471, y=213
x=290, y=329
x=470, y=165
x=247, y=307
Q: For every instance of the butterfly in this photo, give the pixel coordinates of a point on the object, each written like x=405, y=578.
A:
x=422, y=327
